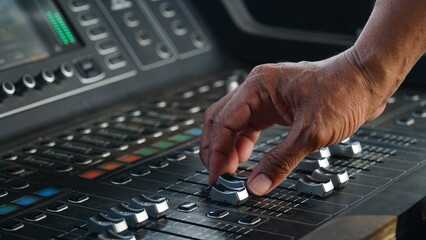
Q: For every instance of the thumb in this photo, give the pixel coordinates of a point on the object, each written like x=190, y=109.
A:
x=277, y=164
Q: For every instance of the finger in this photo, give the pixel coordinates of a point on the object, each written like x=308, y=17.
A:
x=211, y=112
x=277, y=164
x=227, y=125
x=245, y=142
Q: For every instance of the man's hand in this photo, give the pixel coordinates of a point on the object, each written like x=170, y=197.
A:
x=325, y=102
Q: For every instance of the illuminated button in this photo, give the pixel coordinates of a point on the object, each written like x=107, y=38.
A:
x=146, y=151
x=66, y=136
x=96, y=33
x=47, y=192
x=92, y=174
x=139, y=172
x=48, y=143
x=187, y=207
x=405, y=121
x=158, y=164
x=129, y=158
x=35, y=216
x=115, y=61
x=83, y=130
x=134, y=113
x=6, y=209
x=110, y=166
x=27, y=200
x=194, y=132
x=143, y=38
x=57, y=207
x=218, y=213
x=249, y=220
x=101, y=124
x=78, y=198
x=180, y=138
x=118, y=118
x=12, y=226
x=164, y=145
x=106, y=47
x=121, y=180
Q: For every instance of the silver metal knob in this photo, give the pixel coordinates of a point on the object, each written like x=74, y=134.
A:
x=339, y=177
x=310, y=164
x=155, y=206
x=102, y=223
x=234, y=196
x=134, y=217
x=313, y=186
x=346, y=149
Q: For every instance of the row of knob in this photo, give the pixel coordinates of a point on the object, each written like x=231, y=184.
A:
x=28, y=82
x=321, y=180
x=114, y=224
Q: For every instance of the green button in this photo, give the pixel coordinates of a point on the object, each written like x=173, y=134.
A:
x=146, y=151
x=164, y=145
x=180, y=138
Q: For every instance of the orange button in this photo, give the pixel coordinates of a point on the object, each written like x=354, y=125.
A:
x=110, y=166
x=129, y=158
x=91, y=174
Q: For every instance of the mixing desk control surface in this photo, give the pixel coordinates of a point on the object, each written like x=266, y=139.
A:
x=95, y=146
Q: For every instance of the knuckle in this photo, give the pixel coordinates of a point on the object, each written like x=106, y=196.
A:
x=278, y=163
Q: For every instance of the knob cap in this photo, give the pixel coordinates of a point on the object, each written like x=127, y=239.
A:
x=346, y=149
x=64, y=71
x=7, y=89
x=234, y=196
x=46, y=76
x=27, y=82
x=313, y=186
x=309, y=165
x=339, y=177
x=321, y=153
x=155, y=206
x=231, y=181
x=102, y=223
x=134, y=217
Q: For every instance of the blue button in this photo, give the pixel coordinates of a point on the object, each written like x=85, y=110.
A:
x=27, y=200
x=47, y=192
x=6, y=209
x=195, y=132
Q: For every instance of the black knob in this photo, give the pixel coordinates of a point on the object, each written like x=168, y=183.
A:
x=26, y=82
x=46, y=76
x=7, y=89
x=64, y=71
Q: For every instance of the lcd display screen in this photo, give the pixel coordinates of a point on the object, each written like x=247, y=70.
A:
x=31, y=30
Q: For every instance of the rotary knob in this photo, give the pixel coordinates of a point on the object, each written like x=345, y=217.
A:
x=46, y=76
x=155, y=206
x=7, y=89
x=27, y=82
x=64, y=71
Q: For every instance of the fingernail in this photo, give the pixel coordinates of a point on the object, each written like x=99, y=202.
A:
x=260, y=184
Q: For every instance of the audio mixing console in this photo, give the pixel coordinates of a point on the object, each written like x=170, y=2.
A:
x=100, y=127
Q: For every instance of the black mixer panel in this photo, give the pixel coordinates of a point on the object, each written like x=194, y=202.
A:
x=130, y=169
